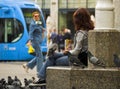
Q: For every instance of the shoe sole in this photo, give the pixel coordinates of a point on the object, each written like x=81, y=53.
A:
x=25, y=68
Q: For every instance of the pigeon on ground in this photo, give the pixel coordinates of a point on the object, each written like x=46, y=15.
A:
x=74, y=61
x=28, y=81
x=116, y=61
x=32, y=80
x=3, y=83
x=16, y=82
x=95, y=61
x=10, y=80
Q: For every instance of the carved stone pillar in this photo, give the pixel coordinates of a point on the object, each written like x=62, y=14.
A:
x=54, y=13
x=117, y=14
x=104, y=14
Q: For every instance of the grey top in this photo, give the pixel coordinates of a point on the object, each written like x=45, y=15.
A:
x=80, y=42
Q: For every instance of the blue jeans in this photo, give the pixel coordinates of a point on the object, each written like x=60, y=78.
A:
x=38, y=59
x=59, y=59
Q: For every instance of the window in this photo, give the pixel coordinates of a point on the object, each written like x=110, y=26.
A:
x=11, y=30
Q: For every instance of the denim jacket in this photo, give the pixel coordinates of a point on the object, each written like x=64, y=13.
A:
x=80, y=42
x=35, y=31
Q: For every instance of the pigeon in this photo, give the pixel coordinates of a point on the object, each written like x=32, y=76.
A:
x=3, y=83
x=33, y=79
x=10, y=80
x=74, y=60
x=16, y=82
x=95, y=61
x=116, y=61
x=27, y=82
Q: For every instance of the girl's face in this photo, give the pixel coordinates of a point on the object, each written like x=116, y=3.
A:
x=36, y=17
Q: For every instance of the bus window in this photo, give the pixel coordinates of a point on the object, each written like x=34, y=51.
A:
x=27, y=12
x=11, y=30
x=1, y=31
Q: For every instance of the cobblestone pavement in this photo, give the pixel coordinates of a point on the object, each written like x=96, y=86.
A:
x=15, y=69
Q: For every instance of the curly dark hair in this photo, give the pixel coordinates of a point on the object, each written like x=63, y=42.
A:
x=82, y=20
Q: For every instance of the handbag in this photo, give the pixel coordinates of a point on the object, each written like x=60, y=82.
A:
x=83, y=57
x=31, y=50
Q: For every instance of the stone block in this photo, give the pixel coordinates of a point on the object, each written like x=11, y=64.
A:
x=77, y=78
x=58, y=78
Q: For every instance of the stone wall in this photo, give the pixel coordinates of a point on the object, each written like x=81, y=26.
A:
x=76, y=78
x=104, y=43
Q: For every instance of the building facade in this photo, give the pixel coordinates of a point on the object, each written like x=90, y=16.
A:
x=66, y=9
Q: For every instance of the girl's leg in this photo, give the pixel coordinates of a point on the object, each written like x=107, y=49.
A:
x=62, y=61
x=49, y=62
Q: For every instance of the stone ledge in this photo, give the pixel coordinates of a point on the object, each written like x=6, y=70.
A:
x=76, y=78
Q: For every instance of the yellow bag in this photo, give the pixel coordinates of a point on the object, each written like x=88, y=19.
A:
x=31, y=50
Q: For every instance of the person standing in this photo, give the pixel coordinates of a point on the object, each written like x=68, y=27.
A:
x=35, y=39
x=54, y=36
x=67, y=39
x=83, y=24
x=60, y=39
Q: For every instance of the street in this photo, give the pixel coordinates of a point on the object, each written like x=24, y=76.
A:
x=15, y=69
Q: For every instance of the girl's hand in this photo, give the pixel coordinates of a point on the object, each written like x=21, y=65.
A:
x=29, y=43
x=65, y=52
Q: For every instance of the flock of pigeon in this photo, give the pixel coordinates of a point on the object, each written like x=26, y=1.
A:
x=15, y=83
x=98, y=62
x=93, y=60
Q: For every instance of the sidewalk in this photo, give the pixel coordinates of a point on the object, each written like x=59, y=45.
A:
x=15, y=69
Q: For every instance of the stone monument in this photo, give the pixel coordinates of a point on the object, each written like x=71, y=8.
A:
x=105, y=39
